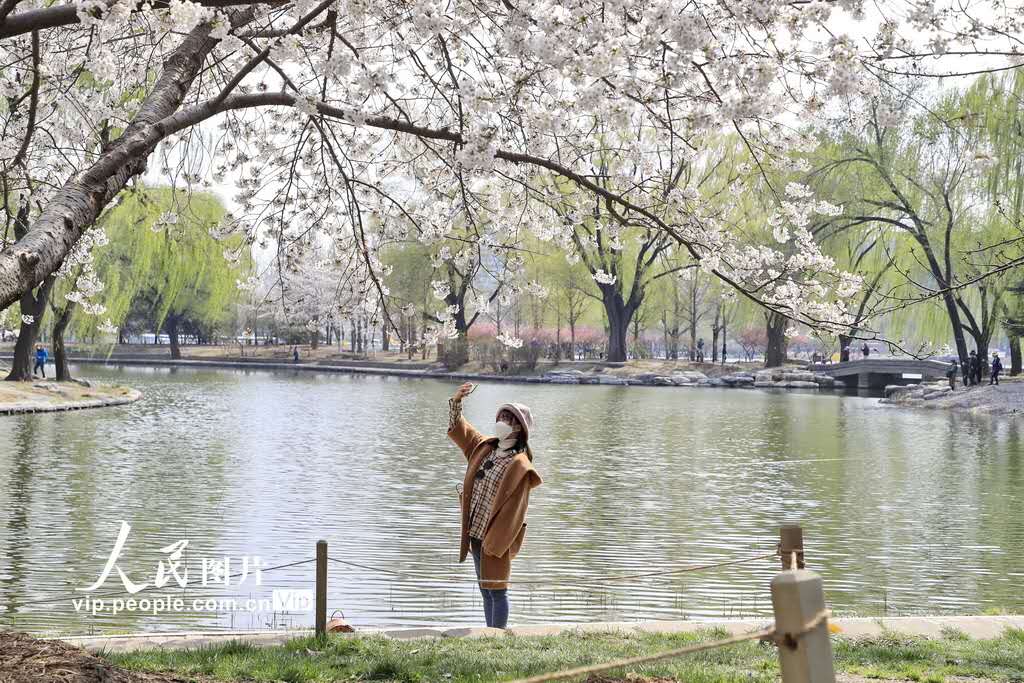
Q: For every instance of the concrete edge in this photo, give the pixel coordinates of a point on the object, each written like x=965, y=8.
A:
x=18, y=408
x=979, y=627
x=425, y=374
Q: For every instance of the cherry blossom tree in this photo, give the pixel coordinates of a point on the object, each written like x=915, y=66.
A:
x=323, y=114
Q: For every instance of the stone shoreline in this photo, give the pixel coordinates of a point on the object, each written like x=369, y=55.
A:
x=852, y=627
x=1006, y=398
x=769, y=378
x=18, y=408
x=47, y=396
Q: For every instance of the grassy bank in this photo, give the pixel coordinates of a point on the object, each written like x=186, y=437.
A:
x=49, y=394
x=453, y=660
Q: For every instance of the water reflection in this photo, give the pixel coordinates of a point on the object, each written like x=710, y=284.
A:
x=905, y=512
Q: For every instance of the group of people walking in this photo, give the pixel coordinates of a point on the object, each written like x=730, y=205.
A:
x=972, y=370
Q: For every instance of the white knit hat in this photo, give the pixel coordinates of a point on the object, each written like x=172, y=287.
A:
x=522, y=414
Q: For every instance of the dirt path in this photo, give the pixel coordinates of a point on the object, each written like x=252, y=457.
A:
x=24, y=659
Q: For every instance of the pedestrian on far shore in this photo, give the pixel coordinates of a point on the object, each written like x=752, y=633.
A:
x=295, y=354
x=975, y=367
x=865, y=349
x=40, y=365
x=997, y=367
x=494, y=496
x=951, y=374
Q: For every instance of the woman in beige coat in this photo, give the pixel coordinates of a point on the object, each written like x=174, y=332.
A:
x=494, y=496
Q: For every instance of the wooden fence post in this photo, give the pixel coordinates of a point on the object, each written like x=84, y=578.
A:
x=798, y=599
x=321, y=588
x=791, y=540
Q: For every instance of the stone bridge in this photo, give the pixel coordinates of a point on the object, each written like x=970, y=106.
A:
x=874, y=373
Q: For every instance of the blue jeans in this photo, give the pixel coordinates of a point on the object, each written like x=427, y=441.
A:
x=40, y=366
x=495, y=601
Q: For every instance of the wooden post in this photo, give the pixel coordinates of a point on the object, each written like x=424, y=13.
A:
x=798, y=599
x=321, y=588
x=791, y=540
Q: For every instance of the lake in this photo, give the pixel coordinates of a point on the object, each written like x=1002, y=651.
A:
x=904, y=512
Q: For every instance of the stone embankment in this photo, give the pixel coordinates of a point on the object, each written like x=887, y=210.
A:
x=770, y=378
x=1006, y=398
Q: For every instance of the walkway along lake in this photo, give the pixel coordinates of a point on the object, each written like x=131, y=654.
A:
x=905, y=512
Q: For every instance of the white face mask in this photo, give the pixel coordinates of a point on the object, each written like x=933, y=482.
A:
x=502, y=430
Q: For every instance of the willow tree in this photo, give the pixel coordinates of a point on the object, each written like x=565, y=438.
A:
x=927, y=192
x=994, y=105
x=163, y=260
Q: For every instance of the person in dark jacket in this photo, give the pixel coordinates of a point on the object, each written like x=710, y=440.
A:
x=951, y=374
x=295, y=354
x=975, y=373
x=997, y=367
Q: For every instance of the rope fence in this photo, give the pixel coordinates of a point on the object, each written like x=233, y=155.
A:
x=787, y=640
x=577, y=581
x=800, y=631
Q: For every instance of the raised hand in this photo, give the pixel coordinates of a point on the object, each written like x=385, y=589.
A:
x=463, y=391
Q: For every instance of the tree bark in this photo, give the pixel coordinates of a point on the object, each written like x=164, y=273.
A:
x=724, y=336
x=619, y=315
x=715, y=328
x=21, y=366
x=34, y=305
x=1015, y=360
x=171, y=325
x=844, y=347
x=60, y=356
x=775, y=353
x=385, y=337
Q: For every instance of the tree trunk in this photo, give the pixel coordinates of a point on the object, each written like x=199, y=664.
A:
x=558, y=335
x=456, y=351
x=21, y=366
x=572, y=340
x=76, y=206
x=673, y=336
x=619, y=316
x=60, y=356
x=1014, y=355
x=172, y=334
x=385, y=337
x=775, y=354
x=716, y=328
x=724, y=335
x=34, y=305
x=844, y=348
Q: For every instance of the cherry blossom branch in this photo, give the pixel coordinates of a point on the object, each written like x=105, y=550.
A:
x=66, y=15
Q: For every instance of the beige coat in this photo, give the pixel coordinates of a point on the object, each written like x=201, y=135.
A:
x=506, y=527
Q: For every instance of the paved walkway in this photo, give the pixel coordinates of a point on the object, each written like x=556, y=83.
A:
x=972, y=626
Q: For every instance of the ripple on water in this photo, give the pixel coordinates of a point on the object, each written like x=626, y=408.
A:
x=904, y=512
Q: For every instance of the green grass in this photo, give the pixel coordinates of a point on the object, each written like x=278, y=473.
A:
x=454, y=660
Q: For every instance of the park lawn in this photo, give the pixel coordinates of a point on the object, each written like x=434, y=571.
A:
x=453, y=660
